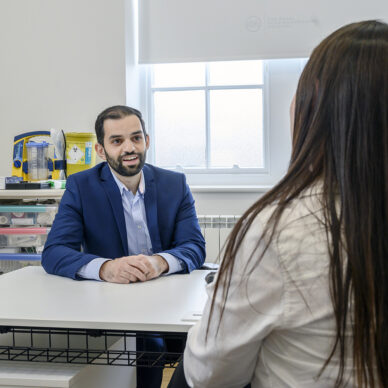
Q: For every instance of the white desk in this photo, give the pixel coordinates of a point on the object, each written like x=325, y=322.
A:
x=33, y=300
x=31, y=297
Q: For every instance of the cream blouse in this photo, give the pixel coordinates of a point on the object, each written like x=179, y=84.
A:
x=278, y=326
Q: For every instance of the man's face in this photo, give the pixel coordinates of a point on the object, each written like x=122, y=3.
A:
x=125, y=146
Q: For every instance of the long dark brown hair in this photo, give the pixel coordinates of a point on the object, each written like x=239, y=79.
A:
x=340, y=138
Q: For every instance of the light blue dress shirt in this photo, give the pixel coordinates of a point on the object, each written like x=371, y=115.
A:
x=138, y=237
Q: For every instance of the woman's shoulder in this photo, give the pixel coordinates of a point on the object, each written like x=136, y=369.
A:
x=300, y=229
x=307, y=208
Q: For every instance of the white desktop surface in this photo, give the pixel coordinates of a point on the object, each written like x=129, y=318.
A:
x=31, y=297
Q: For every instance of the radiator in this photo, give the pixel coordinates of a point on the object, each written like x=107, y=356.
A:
x=215, y=230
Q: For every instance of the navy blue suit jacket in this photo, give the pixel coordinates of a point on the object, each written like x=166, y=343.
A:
x=91, y=216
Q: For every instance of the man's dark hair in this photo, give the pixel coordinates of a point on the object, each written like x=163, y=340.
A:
x=115, y=112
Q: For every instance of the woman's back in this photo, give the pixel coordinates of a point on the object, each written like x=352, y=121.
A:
x=293, y=354
x=283, y=326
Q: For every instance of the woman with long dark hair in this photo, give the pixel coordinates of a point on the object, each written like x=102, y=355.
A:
x=301, y=297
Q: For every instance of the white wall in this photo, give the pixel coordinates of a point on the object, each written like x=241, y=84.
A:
x=224, y=202
x=62, y=62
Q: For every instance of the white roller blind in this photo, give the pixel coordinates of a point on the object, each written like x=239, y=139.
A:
x=210, y=30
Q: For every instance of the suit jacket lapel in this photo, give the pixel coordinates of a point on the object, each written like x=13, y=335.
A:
x=151, y=209
x=113, y=193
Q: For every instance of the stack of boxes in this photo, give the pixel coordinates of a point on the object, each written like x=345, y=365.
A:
x=23, y=233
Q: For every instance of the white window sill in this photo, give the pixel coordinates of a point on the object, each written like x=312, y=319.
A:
x=229, y=189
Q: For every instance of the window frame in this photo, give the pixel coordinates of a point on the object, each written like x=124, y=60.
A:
x=279, y=79
x=207, y=90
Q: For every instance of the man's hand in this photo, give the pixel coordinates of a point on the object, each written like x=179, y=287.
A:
x=130, y=269
x=157, y=265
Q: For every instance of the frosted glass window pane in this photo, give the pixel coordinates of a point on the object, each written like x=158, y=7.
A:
x=236, y=128
x=236, y=73
x=179, y=74
x=180, y=128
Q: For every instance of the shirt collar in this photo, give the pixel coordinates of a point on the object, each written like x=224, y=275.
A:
x=123, y=188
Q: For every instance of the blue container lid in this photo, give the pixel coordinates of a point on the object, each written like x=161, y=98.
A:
x=36, y=144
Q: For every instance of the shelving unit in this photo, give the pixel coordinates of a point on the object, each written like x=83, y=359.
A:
x=16, y=249
x=38, y=195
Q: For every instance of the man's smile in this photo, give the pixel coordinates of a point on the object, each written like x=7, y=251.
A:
x=129, y=160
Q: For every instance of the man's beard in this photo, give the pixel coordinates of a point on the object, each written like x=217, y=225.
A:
x=117, y=164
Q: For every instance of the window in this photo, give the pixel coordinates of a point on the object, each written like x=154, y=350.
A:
x=203, y=115
x=222, y=123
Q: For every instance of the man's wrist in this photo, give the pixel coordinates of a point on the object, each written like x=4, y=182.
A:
x=162, y=263
x=91, y=270
x=174, y=264
x=102, y=272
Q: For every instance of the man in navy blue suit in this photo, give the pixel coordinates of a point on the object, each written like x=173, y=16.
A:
x=133, y=221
